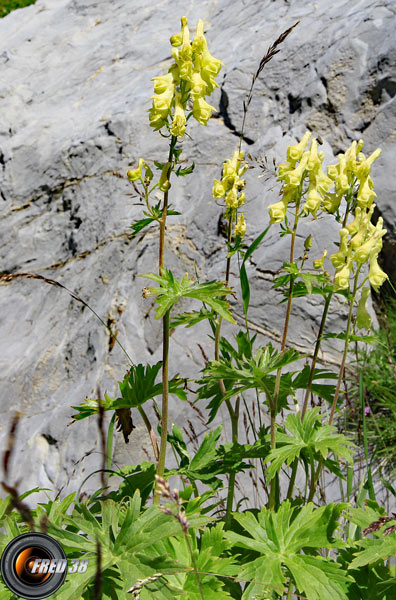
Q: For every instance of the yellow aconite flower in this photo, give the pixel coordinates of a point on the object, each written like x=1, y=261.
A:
x=313, y=202
x=293, y=178
x=319, y=262
x=366, y=194
x=218, y=189
x=354, y=226
x=341, y=278
x=331, y=202
x=295, y=152
x=240, y=227
x=232, y=198
x=202, y=111
x=376, y=275
x=277, y=211
x=135, y=174
x=179, y=118
x=338, y=259
x=374, y=243
x=177, y=40
x=363, y=319
x=364, y=167
x=163, y=83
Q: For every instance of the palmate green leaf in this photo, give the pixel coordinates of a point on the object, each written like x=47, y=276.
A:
x=171, y=290
x=186, y=171
x=244, y=373
x=137, y=387
x=279, y=537
x=374, y=550
x=306, y=438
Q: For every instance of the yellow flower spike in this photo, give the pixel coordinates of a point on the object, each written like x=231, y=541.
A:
x=177, y=40
x=341, y=278
x=318, y=262
x=293, y=178
x=313, y=158
x=295, y=152
x=366, y=194
x=313, y=202
x=164, y=183
x=240, y=227
x=338, y=259
x=277, y=211
x=353, y=227
x=135, y=174
x=202, y=111
x=364, y=168
x=232, y=199
x=376, y=275
x=178, y=128
x=218, y=189
x=363, y=319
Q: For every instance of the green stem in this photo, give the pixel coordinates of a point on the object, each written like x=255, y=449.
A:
x=274, y=401
x=164, y=411
x=314, y=480
x=231, y=484
x=165, y=335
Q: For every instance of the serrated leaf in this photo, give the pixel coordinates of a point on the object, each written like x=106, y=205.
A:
x=170, y=291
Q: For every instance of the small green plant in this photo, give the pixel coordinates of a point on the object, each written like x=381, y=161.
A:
x=150, y=541
x=6, y=6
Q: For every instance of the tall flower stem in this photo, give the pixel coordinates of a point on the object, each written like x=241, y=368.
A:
x=315, y=478
x=165, y=337
x=310, y=378
x=274, y=400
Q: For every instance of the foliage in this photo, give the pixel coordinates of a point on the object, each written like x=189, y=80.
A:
x=6, y=6
x=145, y=539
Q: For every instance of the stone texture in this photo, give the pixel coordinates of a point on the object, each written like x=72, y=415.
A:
x=74, y=91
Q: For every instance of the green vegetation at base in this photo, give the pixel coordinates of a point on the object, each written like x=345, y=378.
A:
x=6, y=6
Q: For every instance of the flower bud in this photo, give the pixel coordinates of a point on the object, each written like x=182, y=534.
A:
x=308, y=242
x=363, y=319
x=319, y=262
x=135, y=174
x=164, y=183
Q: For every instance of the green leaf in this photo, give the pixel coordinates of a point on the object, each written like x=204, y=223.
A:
x=182, y=172
x=374, y=550
x=170, y=291
x=279, y=537
x=189, y=319
x=140, y=224
x=243, y=275
x=306, y=438
x=137, y=388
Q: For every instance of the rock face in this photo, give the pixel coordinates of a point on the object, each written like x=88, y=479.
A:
x=74, y=91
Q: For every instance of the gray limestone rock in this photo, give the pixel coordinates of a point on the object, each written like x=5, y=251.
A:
x=74, y=93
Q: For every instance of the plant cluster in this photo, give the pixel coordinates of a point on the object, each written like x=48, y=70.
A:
x=146, y=540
